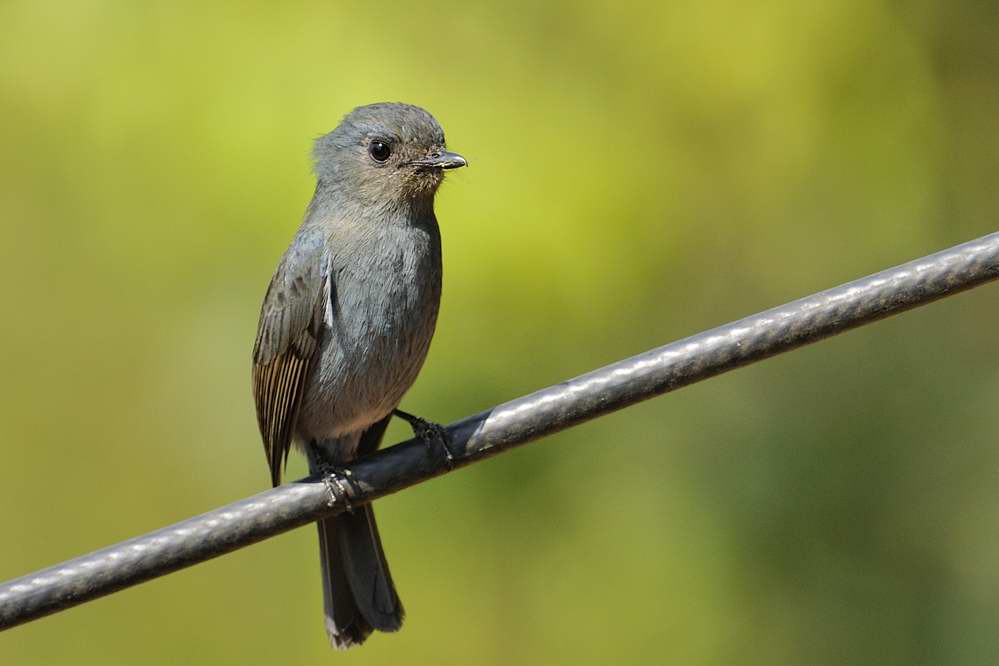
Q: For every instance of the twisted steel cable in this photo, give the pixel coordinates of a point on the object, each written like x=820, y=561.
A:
x=498, y=429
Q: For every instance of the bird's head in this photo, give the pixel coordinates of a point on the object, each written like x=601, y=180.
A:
x=387, y=153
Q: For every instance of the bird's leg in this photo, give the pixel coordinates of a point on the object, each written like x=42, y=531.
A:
x=428, y=432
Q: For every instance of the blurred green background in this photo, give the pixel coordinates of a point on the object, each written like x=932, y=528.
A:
x=638, y=174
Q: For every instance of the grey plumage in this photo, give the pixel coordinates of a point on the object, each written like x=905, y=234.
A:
x=345, y=327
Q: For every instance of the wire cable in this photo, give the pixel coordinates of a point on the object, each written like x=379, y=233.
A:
x=501, y=428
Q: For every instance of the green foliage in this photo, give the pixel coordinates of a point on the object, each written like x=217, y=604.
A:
x=637, y=174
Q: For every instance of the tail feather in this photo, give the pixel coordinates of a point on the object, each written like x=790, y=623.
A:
x=367, y=570
x=358, y=593
x=345, y=625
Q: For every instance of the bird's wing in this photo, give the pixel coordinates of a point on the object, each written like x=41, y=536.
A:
x=291, y=320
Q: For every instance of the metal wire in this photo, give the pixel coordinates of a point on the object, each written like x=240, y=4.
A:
x=496, y=430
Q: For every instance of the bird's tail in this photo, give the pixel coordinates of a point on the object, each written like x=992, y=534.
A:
x=358, y=593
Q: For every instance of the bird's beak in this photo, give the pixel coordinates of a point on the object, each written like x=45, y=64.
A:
x=441, y=160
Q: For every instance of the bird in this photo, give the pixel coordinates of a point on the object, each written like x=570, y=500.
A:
x=345, y=327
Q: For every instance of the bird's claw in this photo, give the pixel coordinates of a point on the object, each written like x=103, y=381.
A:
x=429, y=432
x=336, y=482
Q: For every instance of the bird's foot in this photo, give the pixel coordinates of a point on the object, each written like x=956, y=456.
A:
x=428, y=432
x=336, y=482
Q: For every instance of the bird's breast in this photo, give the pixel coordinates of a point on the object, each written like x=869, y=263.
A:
x=383, y=305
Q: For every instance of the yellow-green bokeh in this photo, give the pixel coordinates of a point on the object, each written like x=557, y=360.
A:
x=638, y=173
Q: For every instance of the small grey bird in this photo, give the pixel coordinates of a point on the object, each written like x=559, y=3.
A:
x=345, y=327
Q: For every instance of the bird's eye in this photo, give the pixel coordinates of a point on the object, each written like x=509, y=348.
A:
x=379, y=151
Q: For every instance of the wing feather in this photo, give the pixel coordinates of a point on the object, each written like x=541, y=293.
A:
x=285, y=350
